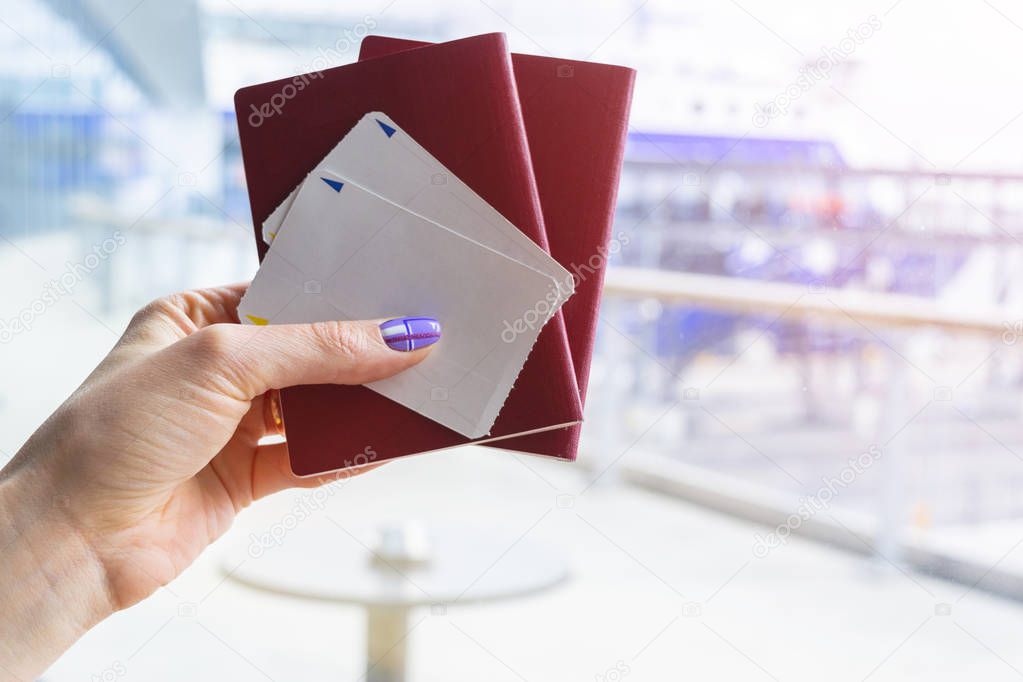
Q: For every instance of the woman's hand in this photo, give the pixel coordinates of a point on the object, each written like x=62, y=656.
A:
x=151, y=458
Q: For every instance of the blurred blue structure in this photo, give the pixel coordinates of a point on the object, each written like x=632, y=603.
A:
x=709, y=150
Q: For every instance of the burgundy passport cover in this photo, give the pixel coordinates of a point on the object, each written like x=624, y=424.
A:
x=576, y=119
x=459, y=100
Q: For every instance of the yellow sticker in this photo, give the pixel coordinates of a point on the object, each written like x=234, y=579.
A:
x=258, y=320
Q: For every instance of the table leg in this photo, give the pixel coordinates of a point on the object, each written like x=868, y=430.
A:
x=893, y=491
x=386, y=643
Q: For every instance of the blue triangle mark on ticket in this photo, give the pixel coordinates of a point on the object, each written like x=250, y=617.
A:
x=334, y=184
x=387, y=129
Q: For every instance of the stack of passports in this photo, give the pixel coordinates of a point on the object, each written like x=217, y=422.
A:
x=538, y=139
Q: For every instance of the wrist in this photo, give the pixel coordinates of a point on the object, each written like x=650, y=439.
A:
x=53, y=586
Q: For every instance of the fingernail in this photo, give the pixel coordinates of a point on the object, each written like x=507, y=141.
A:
x=410, y=333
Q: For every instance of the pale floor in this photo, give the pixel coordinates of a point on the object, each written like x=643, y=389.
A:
x=659, y=587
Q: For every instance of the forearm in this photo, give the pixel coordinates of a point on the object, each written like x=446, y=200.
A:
x=52, y=588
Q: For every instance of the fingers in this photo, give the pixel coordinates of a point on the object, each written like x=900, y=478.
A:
x=245, y=361
x=271, y=472
x=176, y=316
x=269, y=405
x=264, y=417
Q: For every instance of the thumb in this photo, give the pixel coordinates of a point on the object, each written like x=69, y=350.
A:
x=246, y=361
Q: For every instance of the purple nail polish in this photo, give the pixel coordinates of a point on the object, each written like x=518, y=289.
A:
x=410, y=333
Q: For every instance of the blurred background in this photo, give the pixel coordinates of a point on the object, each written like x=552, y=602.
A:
x=802, y=455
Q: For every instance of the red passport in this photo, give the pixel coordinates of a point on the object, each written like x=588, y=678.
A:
x=459, y=100
x=576, y=120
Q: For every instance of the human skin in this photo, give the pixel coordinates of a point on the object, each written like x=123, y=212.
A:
x=151, y=458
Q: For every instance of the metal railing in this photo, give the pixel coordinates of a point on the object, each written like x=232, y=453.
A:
x=886, y=535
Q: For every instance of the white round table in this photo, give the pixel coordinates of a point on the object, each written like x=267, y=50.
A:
x=394, y=570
